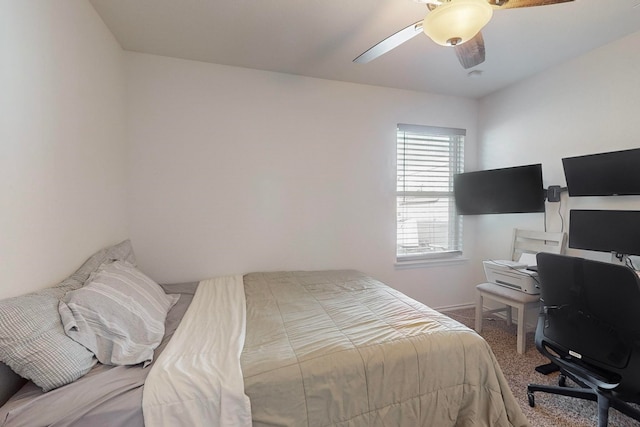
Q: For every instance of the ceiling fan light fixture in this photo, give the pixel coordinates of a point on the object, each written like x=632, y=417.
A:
x=457, y=21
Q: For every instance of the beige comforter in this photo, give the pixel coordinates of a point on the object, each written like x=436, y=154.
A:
x=341, y=349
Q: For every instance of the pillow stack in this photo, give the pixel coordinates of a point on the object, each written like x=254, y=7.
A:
x=107, y=310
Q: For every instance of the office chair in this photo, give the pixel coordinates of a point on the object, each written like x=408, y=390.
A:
x=589, y=326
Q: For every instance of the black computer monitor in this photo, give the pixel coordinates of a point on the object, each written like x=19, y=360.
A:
x=605, y=231
x=604, y=174
x=508, y=190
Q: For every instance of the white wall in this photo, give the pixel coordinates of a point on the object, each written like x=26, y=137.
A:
x=236, y=170
x=587, y=105
x=62, y=145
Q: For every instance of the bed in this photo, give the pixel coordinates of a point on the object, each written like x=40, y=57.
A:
x=328, y=348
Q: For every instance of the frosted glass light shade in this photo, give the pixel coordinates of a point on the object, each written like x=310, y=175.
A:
x=457, y=21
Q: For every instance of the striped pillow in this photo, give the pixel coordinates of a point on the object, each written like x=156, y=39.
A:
x=32, y=340
x=33, y=343
x=119, y=314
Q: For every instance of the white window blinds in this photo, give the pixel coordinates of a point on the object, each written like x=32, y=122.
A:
x=427, y=223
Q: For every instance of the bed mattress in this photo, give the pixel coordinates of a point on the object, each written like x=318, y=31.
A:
x=332, y=348
x=342, y=349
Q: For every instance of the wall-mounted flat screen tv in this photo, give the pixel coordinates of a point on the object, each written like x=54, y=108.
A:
x=605, y=231
x=508, y=190
x=615, y=173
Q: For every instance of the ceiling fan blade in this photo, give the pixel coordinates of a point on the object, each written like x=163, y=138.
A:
x=471, y=53
x=511, y=4
x=390, y=42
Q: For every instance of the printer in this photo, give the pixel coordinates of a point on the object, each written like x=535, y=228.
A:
x=512, y=274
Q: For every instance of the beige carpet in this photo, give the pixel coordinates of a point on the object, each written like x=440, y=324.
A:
x=550, y=410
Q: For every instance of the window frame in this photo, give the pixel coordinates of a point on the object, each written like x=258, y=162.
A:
x=430, y=134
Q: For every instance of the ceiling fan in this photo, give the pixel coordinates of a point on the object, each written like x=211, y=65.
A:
x=454, y=23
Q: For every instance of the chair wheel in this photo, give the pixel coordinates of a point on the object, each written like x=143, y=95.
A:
x=532, y=400
x=562, y=380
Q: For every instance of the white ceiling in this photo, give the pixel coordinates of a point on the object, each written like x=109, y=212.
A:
x=320, y=38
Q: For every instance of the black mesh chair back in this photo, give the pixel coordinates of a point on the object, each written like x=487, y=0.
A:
x=589, y=326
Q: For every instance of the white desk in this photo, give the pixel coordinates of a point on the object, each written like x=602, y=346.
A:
x=510, y=298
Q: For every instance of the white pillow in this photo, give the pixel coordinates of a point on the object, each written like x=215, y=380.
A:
x=119, y=314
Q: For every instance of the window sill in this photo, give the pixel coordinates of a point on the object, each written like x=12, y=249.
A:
x=425, y=263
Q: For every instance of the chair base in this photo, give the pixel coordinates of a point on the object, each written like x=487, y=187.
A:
x=605, y=398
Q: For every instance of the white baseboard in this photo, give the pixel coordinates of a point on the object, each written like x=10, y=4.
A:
x=446, y=308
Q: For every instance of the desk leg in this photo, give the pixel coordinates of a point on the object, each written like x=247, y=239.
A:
x=479, y=312
x=509, y=315
x=521, y=330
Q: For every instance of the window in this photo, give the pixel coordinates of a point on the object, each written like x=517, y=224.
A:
x=427, y=223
